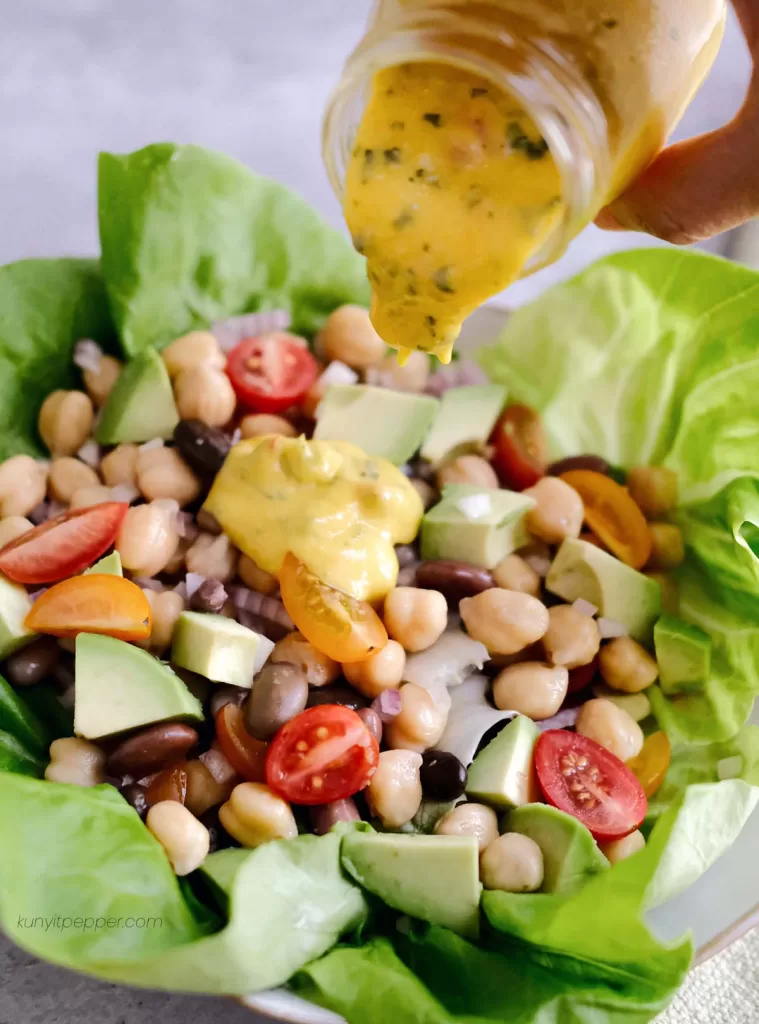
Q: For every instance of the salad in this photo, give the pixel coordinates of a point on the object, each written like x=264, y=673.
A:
x=410, y=688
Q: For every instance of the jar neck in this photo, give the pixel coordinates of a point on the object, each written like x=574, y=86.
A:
x=480, y=38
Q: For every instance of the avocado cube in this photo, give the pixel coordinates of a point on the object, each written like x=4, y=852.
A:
x=582, y=570
x=108, y=566
x=503, y=774
x=386, y=424
x=14, y=605
x=684, y=655
x=219, y=648
x=141, y=405
x=465, y=419
x=570, y=854
x=476, y=525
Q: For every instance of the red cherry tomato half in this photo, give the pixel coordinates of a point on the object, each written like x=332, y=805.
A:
x=63, y=546
x=325, y=753
x=582, y=778
x=272, y=372
x=246, y=754
x=582, y=676
x=521, y=453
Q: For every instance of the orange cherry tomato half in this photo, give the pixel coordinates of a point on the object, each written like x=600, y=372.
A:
x=612, y=515
x=92, y=604
x=336, y=624
x=521, y=453
x=652, y=763
x=246, y=754
x=325, y=753
x=63, y=546
x=170, y=784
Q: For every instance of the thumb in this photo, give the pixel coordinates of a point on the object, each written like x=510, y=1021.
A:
x=694, y=189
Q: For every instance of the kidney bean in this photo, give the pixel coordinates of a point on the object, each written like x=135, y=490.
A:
x=454, y=580
x=202, y=447
x=152, y=750
x=442, y=775
x=170, y=784
x=34, y=663
x=136, y=796
x=325, y=816
x=279, y=693
x=343, y=695
x=224, y=694
x=372, y=721
x=594, y=462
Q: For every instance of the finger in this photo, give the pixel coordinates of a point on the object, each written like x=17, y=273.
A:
x=695, y=189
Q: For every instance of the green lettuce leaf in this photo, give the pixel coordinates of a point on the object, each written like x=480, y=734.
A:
x=189, y=236
x=45, y=307
x=650, y=357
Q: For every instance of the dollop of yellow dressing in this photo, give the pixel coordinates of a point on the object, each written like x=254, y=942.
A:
x=338, y=510
x=449, y=192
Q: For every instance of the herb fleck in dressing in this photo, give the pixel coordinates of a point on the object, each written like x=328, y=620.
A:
x=450, y=191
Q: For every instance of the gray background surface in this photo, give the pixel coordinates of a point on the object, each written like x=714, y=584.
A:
x=246, y=76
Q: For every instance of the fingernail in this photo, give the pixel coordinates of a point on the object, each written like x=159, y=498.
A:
x=608, y=221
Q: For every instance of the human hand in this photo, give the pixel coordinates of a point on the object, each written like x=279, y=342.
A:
x=703, y=186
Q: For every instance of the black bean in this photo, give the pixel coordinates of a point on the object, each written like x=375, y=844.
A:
x=135, y=795
x=34, y=663
x=443, y=776
x=343, y=695
x=279, y=693
x=594, y=462
x=202, y=447
x=454, y=580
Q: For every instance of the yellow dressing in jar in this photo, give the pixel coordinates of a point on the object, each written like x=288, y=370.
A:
x=470, y=140
x=338, y=510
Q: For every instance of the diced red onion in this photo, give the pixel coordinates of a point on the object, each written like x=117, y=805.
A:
x=67, y=698
x=338, y=373
x=236, y=437
x=259, y=604
x=152, y=444
x=585, y=607
x=89, y=454
x=125, y=492
x=40, y=513
x=471, y=373
x=462, y=373
x=55, y=508
x=610, y=628
x=87, y=355
x=35, y=594
x=193, y=581
x=186, y=525
x=325, y=816
x=406, y=554
x=407, y=575
x=231, y=331
x=538, y=564
x=218, y=766
x=148, y=583
x=565, y=719
x=181, y=589
x=387, y=705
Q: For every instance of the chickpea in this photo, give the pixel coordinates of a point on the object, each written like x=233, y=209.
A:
x=414, y=617
x=668, y=548
x=318, y=668
x=254, y=815
x=572, y=638
x=531, y=688
x=420, y=722
x=163, y=473
x=558, y=513
x=84, y=497
x=166, y=606
x=255, y=577
x=348, y=335
x=470, y=820
x=65, y=421
x=67, y=476
x=185, y=839
x=204, y=393
x=383, y=670
x=637, y=705
x=76, y=761
x=412, y=376
x=467, y=469
x=513, y=573
x=23, y=483
x=12, y=527
x=670, y=596
x=261, y=424
x=148, y=537
x=621, y=849
x=512, y=863
x=99, y=383
x=198, y=348
x=426, y=492
x=653, y=489
x=120, y=465
x=212, y=557
x=627, y=666
x=613, y=728
x=504, y=620
x=395, y=791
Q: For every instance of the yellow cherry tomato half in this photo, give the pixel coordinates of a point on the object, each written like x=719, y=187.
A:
x=99, y=603
x=652, y=763
x=336, y=624
x=612, y=515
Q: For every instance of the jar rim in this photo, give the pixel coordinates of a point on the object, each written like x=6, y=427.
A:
x=553, y=93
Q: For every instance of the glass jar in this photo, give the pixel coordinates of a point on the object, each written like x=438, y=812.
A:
x=604, y=80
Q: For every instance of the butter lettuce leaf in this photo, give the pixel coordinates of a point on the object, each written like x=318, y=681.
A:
x=190, y=236
x=650, y=357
